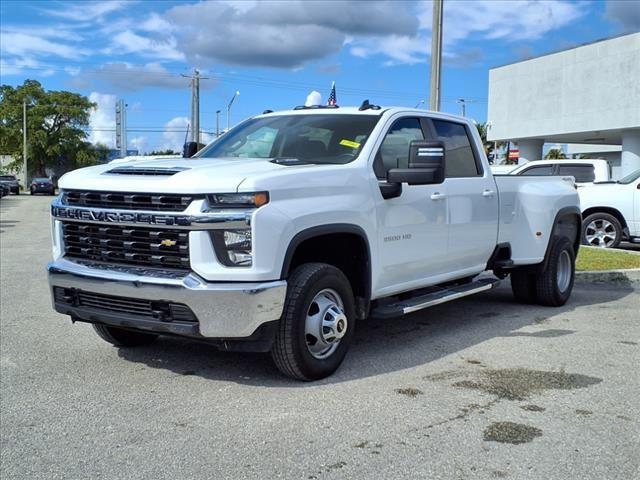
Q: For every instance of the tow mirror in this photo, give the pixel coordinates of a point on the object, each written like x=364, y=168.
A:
x=426, y=165
x=189, y=149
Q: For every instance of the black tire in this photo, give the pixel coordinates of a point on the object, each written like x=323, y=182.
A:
x=32, y=192
x=123, y=338
x=290, y=352
x=555, y=283
x=602, y=217
x=523, y=286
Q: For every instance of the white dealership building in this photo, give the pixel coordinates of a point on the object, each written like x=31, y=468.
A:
x=588, y=95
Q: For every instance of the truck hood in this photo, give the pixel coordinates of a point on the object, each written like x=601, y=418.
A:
x=174, y=175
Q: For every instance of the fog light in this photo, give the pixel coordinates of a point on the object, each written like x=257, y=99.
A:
x=233, y=247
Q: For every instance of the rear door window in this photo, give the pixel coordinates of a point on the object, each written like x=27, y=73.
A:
x=582, y=173
x=541, y=170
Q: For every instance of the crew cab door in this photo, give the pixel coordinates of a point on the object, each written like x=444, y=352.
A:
x=472, y=198
x=413, y=226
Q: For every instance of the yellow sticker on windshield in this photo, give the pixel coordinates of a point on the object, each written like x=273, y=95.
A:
x=349, y=143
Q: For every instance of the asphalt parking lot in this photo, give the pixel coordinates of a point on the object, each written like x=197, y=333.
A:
x=480, y=388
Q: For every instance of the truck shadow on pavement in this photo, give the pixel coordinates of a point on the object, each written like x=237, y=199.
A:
x=385, y=346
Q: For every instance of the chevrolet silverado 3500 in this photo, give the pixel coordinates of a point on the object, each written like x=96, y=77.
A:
x=292, y=227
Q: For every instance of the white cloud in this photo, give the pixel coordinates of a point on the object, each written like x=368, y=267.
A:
x=139, y=143
x=156, y=23
x=22, y=44
x=281, y=34
x=130, y=42
x=174, y=134
x=504, y=20
x=102, y=120
x=125, y=76
x=83, y=11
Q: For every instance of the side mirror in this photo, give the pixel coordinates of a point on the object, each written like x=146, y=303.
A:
x=426, y=165
x=189, y=149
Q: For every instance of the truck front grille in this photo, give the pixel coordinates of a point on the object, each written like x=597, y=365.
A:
x=128, y=201
x=149, y=247
x=160, y=310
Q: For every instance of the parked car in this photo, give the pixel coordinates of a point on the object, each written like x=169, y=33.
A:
x=611, y=212
x=294, y=226
x=585, y=171
x=12, y=182
x=42, y=185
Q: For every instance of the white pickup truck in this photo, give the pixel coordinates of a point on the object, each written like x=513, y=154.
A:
x=294, y=226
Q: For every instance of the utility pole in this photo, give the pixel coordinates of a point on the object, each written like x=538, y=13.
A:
x=436, y=56
x=229, y=110
x=195, y=105
x=463, y=106
x=24, y=142
x=121, y=127
x=217, y=123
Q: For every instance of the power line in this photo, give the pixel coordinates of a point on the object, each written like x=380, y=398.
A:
x=257, y=81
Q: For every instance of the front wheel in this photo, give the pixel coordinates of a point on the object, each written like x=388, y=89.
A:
x=121, y=337
x=317, y=323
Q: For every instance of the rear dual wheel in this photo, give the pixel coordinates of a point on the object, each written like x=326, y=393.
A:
x=551, y=286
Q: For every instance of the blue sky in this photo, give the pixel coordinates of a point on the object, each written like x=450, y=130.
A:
x=275, y=53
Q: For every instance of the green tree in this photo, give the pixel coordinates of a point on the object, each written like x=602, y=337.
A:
x=555, y=154
x=56, y=123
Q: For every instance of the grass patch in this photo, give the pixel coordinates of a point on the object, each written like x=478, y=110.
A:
x=605, y=259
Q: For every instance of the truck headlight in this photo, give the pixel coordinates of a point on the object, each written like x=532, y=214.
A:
x=233, y=247
x=237, y=200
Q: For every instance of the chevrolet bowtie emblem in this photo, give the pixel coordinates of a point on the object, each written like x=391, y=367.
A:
x=167, y=242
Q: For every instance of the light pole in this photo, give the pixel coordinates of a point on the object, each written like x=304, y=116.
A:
x=419, y=103
x=463, y=106
x=24, y=142
x=436, y=56
x=229, y=109
x=217, y=123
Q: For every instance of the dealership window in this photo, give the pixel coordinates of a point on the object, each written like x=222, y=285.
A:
x=394, y=151
x=459, y=158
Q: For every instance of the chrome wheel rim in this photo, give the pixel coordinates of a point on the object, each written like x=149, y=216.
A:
x=325, y=324
x=564, y=271
x=600, y=233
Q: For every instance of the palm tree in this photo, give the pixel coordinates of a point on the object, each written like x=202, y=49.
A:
x=555, y=154
x=483, y=129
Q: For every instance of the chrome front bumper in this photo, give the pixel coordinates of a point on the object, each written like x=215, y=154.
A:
x=223, y=310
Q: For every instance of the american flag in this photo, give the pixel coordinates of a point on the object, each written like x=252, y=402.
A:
x=332, y=96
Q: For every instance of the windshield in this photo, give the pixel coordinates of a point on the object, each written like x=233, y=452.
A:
x=630, y=178
x=41, y=180
x=7, y=177
x=319, y=139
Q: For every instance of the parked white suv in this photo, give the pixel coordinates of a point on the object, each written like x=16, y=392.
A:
x=294, y=226
x=611, y=212
x=585, y=172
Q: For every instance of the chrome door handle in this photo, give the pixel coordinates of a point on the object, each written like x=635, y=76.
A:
x=488, y=193
x=438, y=196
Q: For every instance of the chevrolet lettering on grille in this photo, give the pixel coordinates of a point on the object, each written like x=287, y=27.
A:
x=67, y=213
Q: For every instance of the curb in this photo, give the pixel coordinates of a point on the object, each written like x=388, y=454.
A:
x=629, y=276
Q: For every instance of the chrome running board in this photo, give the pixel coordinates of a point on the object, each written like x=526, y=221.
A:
x=436, y=297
